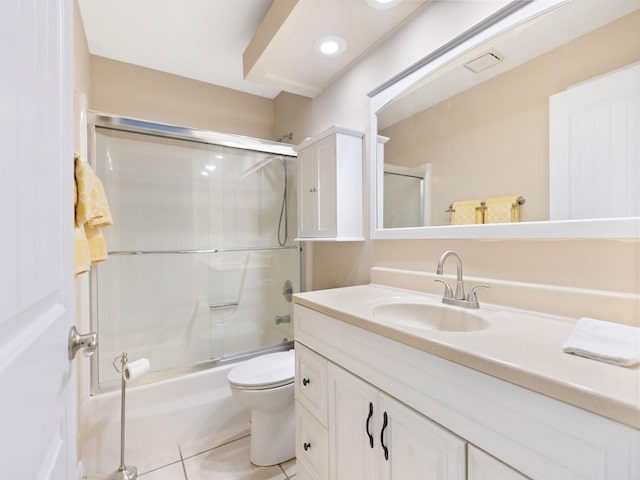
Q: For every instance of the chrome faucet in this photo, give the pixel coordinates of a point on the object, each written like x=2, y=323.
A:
x=458, y=299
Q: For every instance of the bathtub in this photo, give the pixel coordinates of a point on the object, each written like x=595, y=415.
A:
x=181, y=416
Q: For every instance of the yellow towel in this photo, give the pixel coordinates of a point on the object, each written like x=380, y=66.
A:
x=467, y=212
x=91, y=214
x=502, y=210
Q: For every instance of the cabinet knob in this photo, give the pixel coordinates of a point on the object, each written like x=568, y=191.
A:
x=306, y=381
x=306, y=446
x=313, y=190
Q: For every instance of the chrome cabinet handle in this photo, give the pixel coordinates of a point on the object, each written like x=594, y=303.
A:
x=367, y=425
x=385, y=423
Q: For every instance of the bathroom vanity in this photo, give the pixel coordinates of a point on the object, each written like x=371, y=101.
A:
x=483, y=394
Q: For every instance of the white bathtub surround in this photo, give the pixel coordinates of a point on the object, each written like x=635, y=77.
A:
x=193, y=413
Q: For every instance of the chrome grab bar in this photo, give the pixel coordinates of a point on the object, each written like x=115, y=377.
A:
x=223, y=305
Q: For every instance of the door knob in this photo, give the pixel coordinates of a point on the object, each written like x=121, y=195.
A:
x=88, y=341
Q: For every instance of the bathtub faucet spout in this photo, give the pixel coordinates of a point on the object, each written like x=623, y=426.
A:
x=282, y=319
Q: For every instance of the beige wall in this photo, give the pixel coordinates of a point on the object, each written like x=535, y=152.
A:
x=597, y=264
x=496, y=134
x=346, y=103
x=128, y=90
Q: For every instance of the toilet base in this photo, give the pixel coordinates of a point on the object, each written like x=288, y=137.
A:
x=273, y=436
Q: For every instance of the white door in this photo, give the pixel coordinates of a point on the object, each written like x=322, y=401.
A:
x=37, y=393
x=326, y=212
x=594, y=148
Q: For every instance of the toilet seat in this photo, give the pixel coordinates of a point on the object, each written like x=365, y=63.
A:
x=267, y=371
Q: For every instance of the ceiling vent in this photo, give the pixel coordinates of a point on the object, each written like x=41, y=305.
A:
x=484, y=61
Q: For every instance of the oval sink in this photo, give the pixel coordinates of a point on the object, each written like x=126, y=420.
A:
x=430, y=317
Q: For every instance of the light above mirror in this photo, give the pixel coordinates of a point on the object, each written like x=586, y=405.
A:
x=494, y=119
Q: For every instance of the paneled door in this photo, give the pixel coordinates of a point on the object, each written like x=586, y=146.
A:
x=594, y=148
x=37, y=392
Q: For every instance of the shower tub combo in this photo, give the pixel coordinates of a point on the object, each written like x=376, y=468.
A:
x=199, y=276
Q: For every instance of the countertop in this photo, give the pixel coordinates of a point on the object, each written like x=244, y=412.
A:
x=519, y=346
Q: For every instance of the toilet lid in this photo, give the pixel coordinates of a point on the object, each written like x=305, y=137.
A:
x=269, y=370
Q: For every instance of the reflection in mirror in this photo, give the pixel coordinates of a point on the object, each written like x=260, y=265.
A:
x=407, y=195
x=546, y=111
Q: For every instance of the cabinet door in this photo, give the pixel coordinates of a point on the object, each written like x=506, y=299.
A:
x=326, y=189
x=483, y=466
x=413, y=447
x=352, y=413
x=307, y=198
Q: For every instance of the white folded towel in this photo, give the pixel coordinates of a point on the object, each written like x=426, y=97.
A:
x=605, y=341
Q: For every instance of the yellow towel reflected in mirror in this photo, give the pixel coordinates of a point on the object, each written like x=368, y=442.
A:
x=467, y=212
x=502, y=209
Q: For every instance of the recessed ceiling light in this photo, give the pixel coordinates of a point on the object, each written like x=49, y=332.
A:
x=383, y=4
x=331, y=45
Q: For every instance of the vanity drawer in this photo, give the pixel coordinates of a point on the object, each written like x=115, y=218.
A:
x=311, y=445
x=311, y=382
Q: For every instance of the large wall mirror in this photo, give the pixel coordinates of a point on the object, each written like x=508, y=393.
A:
x=527, y=126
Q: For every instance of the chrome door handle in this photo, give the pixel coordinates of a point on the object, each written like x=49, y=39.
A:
x=88, y=341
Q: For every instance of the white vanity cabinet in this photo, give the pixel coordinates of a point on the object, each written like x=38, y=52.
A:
x=443, y=420
x=330, y=186
x=358, y=433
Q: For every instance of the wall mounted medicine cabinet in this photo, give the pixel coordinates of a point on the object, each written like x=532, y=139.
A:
x=330, y=186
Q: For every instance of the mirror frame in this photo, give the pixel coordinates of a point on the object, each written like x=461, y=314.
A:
x=514, y=14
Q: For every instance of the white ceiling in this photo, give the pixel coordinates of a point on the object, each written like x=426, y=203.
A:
x=205, y=39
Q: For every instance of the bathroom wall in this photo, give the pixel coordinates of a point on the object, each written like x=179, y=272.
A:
x=128, y=90
x=589, y=264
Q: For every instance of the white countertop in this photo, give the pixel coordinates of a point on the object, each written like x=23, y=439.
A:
x=519, y=346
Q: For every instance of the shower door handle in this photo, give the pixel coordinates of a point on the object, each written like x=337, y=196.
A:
x=282, y=319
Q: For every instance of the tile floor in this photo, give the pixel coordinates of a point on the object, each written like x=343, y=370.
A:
x=226, y=462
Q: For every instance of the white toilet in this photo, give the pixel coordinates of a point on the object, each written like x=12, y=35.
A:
x=265, y=384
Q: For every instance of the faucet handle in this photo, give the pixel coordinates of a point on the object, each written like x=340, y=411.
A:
x=472, y=297
x=448, y=293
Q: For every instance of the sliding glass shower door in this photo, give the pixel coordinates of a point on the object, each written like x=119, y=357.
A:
x=198, y=251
